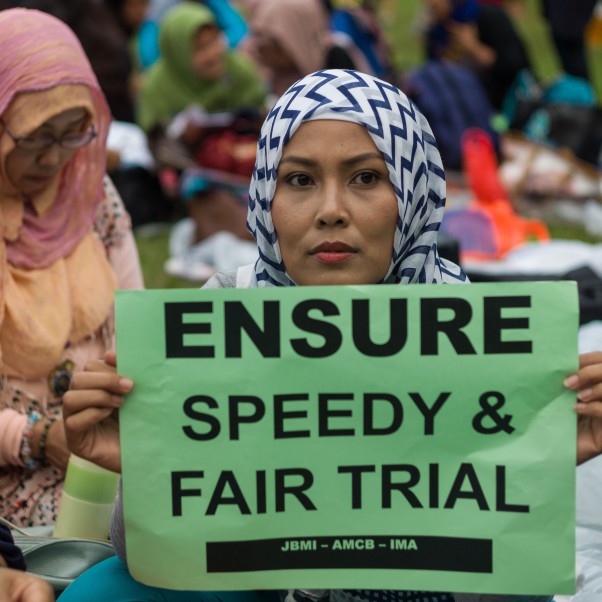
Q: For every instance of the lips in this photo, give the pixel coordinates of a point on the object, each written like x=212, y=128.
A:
x=33, y=184
x=333, y=252
x=42, y=177
x=333, y=247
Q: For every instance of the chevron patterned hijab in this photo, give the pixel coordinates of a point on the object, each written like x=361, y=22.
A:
x=403, y=136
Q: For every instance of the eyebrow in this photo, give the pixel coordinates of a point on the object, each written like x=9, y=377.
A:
x=351, y=161
x=68, y=125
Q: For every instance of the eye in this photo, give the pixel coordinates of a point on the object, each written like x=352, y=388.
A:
x=299, y=179
x=35, y=142
x=73, y=132
x=366, y=178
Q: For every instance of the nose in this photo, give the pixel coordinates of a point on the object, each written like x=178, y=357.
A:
x=217, y=49
x=54, y=156
x=333, y=209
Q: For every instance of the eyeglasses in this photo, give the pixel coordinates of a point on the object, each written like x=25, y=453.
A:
x=44, y=141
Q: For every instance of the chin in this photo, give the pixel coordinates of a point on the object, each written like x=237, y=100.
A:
x=29, y=185
x=213, y=72
x=336, y=278
x=29, y=189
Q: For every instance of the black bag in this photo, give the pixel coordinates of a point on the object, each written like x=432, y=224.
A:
x=59, y=561
x=589, y=285
x=142, y=196
x=564, y=125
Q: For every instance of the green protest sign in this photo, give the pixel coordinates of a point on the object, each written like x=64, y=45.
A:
x=371, y=437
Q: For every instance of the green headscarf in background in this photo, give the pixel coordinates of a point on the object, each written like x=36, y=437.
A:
x=171, y=84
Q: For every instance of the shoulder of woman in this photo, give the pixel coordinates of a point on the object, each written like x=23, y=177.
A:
x=112, y=221
x=491, y=15
x=153, y=76
x=241, y=63
x=225, y=279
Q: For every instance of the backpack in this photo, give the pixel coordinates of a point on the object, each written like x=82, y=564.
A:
x=452, y=99
x=559, y=114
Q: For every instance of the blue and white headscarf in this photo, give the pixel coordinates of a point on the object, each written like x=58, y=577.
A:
x=403, y=136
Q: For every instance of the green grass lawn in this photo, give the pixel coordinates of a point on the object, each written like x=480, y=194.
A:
x=400, y=19
x=153, y=253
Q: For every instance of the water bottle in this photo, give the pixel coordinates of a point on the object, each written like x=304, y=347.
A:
x=87, y=501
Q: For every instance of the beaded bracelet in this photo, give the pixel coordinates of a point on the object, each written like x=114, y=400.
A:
x=28, y=460
x=43, y=438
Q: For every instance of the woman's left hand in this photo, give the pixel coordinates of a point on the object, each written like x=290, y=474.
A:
x=57, y=452
x=466, y=37
x=587, y=383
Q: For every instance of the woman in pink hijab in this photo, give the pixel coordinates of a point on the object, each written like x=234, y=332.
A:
x=65, y=246
x=291, y=38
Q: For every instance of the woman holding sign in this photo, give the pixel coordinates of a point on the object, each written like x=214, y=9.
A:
x=358, y=197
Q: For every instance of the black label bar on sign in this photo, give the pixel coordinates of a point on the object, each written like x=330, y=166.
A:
x=457, y=554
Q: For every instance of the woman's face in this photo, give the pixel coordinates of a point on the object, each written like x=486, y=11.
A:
x=272, y=55
x=209, y=53
x=133, y=12
x=29, y=171
x=334, y=210
x=440, y=10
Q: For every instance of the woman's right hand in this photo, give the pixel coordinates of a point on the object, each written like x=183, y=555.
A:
x=90, y=412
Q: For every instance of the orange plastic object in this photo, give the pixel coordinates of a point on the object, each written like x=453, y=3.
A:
x=480, y=166
x=489, y=227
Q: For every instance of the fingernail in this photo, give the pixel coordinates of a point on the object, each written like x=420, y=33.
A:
x=584, y=395
x=580, y=407
x=126, y=384
x=571, y=381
